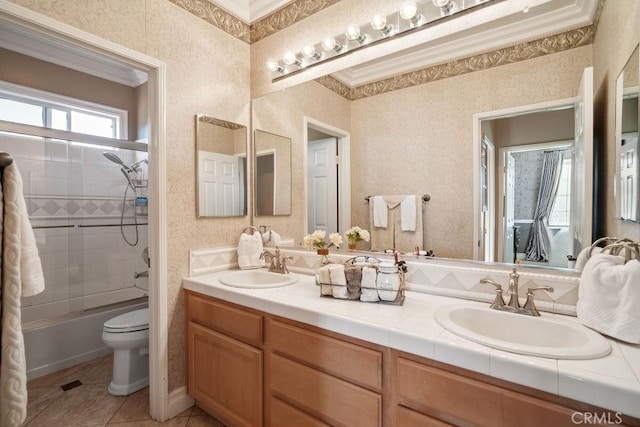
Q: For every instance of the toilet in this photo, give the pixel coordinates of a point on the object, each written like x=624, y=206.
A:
x=128, y=335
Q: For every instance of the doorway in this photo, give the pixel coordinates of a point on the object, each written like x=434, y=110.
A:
x=33, y=31
x=328, y=177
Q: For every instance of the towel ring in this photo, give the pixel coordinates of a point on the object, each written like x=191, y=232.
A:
x=629, y=248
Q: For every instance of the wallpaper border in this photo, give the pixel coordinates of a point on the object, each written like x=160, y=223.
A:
x=556, y=43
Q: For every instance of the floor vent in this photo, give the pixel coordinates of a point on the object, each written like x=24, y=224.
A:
x=69, y=386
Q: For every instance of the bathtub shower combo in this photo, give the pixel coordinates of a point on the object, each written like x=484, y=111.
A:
x=91, y=229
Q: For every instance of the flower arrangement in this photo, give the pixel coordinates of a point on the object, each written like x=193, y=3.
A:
x=357, y=234
x=316, y=240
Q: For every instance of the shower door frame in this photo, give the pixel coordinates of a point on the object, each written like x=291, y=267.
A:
x=161, y=406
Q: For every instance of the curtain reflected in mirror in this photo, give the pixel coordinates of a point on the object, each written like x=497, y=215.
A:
x=272, y=174
x=627, y=134
x=221, y=161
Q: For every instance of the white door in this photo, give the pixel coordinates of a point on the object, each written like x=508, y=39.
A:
x=629, y=178
x=509, y=208
x=219, y=184
x=582, y=182
x=322, y=200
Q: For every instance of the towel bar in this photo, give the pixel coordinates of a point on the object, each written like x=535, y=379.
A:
x=249, y=229
x=425, y=198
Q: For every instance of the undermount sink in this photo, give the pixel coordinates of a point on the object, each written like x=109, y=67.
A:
x=516, y=333
x=257, y=279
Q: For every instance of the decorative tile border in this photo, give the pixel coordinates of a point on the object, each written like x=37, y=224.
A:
x=521, y=52
x=458, y=279
x=77, y=207
x=222, y=123
x=216, y=16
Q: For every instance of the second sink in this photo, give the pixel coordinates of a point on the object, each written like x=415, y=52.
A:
x=532, y=336
x=257, y=279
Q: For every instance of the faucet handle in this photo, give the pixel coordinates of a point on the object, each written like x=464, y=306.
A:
x=529, y=305
x=498, y=301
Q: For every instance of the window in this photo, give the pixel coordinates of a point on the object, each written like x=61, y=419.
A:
x=37, y=108
x=561, y=211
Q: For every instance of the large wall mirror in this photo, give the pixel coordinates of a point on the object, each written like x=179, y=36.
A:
x=221, y=161
x=627, y=135
x=272, y=174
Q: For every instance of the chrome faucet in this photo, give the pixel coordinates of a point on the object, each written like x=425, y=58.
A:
x=529, y=307
x=278, y=261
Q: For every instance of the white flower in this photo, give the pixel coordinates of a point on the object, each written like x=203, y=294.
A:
x=335, y=239
x=364, y=235
x=356, y=234
x=318, y=235
x=308, y=241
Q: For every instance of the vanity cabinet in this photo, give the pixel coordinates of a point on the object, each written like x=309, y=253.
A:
x=252, y=369
x=224, y=361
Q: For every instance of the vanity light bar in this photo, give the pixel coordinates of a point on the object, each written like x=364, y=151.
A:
x=411, y=16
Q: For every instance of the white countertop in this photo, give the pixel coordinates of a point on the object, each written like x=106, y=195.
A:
x=612, y=382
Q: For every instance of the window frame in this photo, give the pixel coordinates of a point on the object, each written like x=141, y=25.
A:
x=50, y=100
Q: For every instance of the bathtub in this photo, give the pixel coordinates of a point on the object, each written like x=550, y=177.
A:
x=54, y=344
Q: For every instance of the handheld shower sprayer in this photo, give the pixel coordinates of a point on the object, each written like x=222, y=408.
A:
x=130, y=172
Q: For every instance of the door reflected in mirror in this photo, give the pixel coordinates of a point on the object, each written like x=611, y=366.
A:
x=272, y=174
x=627, y=133
x=221, y=161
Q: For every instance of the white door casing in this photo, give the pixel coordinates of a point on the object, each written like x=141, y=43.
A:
x=509, y=208
x=582, y=181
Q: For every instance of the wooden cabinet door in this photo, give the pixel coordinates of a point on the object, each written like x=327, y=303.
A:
x=225, y=376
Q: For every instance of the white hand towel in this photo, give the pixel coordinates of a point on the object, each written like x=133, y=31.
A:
x=583, y=257
x=250, y=250
x=609, y=297
x=379, y=212
x=338, y=281
x=275, y=238
x=21, y=276
x=408, y=210
x=368, y=285
x=325, y=280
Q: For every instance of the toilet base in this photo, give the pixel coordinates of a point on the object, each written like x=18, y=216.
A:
x=124, y=390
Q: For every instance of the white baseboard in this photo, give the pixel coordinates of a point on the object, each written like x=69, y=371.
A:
x=179, y=401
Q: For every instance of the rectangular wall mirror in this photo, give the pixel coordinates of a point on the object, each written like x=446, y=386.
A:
x=627, y=135
x=221, y=162
x=272, y=174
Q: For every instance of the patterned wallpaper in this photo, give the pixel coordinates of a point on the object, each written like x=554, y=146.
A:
x=527, y=182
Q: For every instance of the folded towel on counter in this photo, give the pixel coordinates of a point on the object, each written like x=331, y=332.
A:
x=250, y=251
x=368, y=285
x=408, y=210
x=379, y=212
x=609, y=296
x=353, y=274
x=324, y=277
x=583, y=256
x=338, y=281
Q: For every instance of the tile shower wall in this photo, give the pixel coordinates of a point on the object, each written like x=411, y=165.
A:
x=74, y=198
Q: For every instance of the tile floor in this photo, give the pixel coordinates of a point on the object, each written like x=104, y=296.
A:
x=91, y=405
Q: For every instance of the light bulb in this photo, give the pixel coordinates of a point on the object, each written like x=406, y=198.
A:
x=354, y=34
x=330, y=43
x=310, y=53
x=379, y=22
x=290, y=58
x=273, y=65
x=409, y=11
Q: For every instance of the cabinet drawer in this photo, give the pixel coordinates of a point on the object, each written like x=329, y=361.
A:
x=284, y=415
x=441, y=392
x=405, y=417
x=240, y=324
x=333, y=400
x=342, y=359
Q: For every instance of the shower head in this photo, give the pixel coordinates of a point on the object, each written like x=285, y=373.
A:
x=115, y=159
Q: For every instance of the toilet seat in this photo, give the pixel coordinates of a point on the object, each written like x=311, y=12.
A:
x=133, y=321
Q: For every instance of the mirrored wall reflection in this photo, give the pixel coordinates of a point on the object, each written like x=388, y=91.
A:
x=272, y=174
x=82, y=209
x=221, y=161
x=627, y=118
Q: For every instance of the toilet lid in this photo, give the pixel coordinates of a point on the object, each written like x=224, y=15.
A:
x=132, y=321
